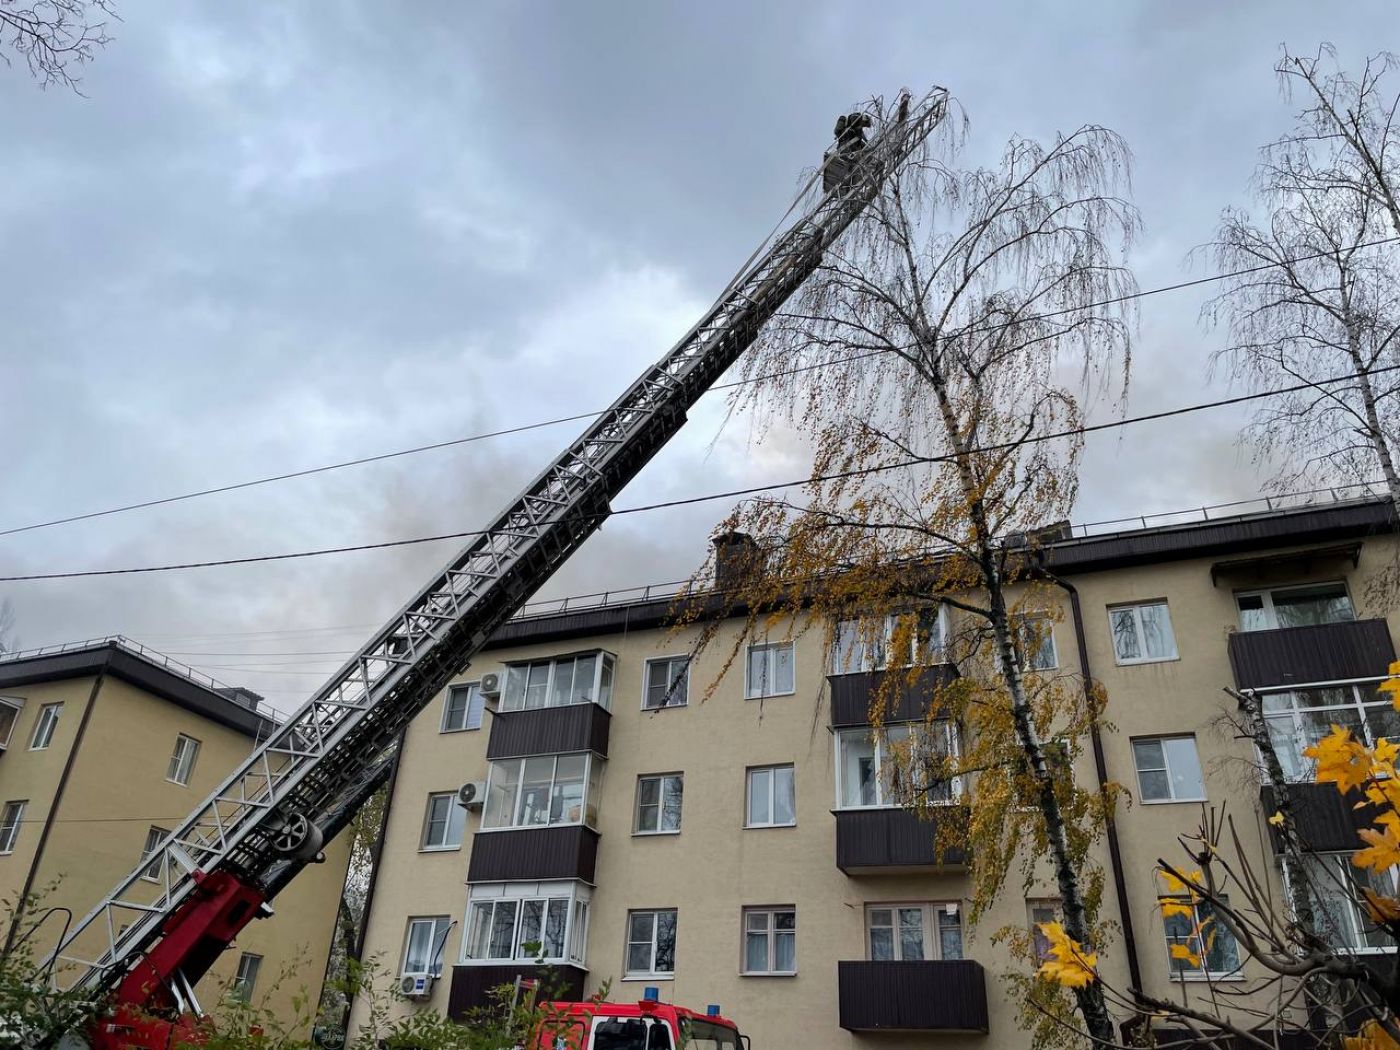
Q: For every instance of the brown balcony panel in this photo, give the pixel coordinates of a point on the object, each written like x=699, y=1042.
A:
x=935, y=996
x=549, y=731
x=851, y=695
x=1333, y=652
x=569, y=852
x=1327, y=821
x=472, y=985
x=894, y=841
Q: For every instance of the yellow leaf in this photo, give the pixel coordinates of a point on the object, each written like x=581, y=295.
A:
x=1383, y=852
x=1385, y=752
x=1381, y=908
x=1392, y=684
x=1341, y=760
x=1175, y=906
x=1178, y=886
x=1371, y=1036
x=1276, y=820
x=1066, y=963
x=1180, y=951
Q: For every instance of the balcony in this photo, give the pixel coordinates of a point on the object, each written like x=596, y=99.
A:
x=942, y=996
x=1333, y=652
x=851, y=695
x=896, y=841
x=472, y=985
x=1327, y=821
x=567, y=852
x=549, y=731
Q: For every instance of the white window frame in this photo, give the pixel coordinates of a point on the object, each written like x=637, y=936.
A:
x=11, y=817
x=44, y=726
x=1185, y=974
x=674, y=697
x=932, y=916
x=456, y=820
x=1167, y=768
x=604, y=661
x=588, y=804
x=771, y=770
x=1135, y=608
x=950, y=731
x=1266, y=594
x=178, y=767
x=154, y=837
x=661, y=782
x=1021, y=621
x=11, y=705
x=869, y=658
x=475, y=700
x=768, y=647
x=769, y=932
x=577, y=895
x=1356, y=907
x=440, y=926
x=1358, y=706
x=243, y=982
x=653, y=973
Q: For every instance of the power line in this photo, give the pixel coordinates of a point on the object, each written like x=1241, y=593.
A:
x=380, y=457
x=1092, y=428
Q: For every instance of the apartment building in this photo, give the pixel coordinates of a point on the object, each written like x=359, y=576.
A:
x=105, y=747
x=739, y=849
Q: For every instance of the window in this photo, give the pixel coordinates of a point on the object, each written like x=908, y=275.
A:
x=422, y=952
x=651, y=943
x=1294, y=607
x=1335, y=886
x=581, y=679
x=525, y=922
x=1036, y=635
x=1041, y=911
x=153, y=839
x=1142, y=634
x=182, y=761
x=541, y=791
x=1168, y=769
x=658, y=804
x=855, y=647
x=246, y=977
x=9, y=715
x=443, y=822
x=667, y=683
x=873, y=768
x=44, y=727
x=769, y=671
x=911, y=932
x=463, y=707
x=770, y=940
x=1219, y=953
x=1297, y=719
x=10, y=818
x=772, y=802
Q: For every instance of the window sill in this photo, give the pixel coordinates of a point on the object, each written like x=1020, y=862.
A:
x=763, y=973
x=649, y=977
x=1172, y=801
x=663, y=707
x=768, y=827
x=771, y=696
x=1150, y=660
x=1213, y=978
x=463, y=729
x=655, y=834
x=178, y=783
x=440, y=849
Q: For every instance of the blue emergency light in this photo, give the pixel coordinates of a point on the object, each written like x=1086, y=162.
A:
x=712, y=1010
x=651, y=994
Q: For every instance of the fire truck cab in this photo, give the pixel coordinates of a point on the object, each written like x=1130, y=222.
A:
x=645, y=1025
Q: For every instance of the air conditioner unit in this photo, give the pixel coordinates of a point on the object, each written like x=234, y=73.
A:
x=472, y=794
x=416, y=986
x=490, y=685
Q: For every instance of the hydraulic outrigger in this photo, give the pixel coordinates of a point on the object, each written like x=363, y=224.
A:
x=228, y=859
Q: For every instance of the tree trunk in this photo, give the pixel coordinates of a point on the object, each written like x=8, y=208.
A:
x=1378, y=438
x=1090, y=999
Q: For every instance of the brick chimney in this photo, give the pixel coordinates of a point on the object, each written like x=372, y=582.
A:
x=736, y=554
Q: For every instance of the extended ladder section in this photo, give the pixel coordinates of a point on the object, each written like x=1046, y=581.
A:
x=271, y=815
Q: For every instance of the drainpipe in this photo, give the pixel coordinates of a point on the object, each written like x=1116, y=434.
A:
x=52, y=815
x=1115, y=853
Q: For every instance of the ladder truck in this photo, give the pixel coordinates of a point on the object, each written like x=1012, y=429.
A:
x=225, y=863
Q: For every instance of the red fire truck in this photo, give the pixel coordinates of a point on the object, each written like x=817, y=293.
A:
x=645, y=1025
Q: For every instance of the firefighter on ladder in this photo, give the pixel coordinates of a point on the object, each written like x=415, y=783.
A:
x=850, y=140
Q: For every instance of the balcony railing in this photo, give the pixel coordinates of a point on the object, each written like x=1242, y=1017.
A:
x=897, y=841
x=549, y=731
x=1326, y=820
x=851, y=695
x=930, y=996
x=568, y=852
x=472, y=985
x=1334, y=652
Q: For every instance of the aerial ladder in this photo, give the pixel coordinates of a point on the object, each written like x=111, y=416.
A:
x=224, y=864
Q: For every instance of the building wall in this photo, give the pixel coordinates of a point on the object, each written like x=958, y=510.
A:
x=715, y=867
x=117, y=790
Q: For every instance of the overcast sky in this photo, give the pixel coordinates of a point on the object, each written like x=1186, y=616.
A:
x=274, y=236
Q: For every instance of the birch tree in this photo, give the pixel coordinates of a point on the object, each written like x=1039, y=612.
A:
x=1319, y=299
x=937, y=361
